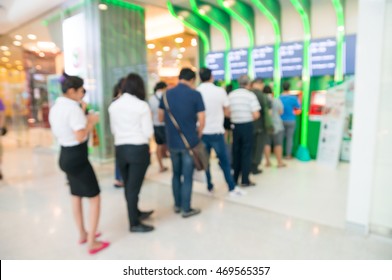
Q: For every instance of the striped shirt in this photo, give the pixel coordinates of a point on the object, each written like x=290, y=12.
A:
x=242, y=104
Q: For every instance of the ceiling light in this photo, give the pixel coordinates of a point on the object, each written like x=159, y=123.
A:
x=18, y=37
x=4, y=48
x=103, y=7
x=18, y=62
x=179, y=40
x=7, y=53
x=41, y=54
x=183, y=14
x=166, y=48
x=194, y=42
x=32, y=37
x=19, y=67
x=17, y=43
x=202, y=11
x=182, y=50
x=341, y=28
x=151, y=46
x=159, y=53
x=5, y=59
x=180, y=56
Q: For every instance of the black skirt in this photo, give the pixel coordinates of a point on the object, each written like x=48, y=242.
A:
x=80, y=174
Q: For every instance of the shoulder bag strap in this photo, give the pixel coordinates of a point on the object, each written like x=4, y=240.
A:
x=186, y=143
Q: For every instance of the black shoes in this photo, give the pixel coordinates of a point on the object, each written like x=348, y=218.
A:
x=145, y=215
x=190, y=213
x=250, y=184
x=177, y=210
x=257, y=171
x=141, y=228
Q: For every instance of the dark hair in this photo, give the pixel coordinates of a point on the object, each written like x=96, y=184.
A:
x=117, y=87
x=267, y=89
x=286, y=86
x=229, y=88
x=68, y=82
x=205, y=74
x=258, y=81
x=134, y=85
x=160, y=85
x=187, y=74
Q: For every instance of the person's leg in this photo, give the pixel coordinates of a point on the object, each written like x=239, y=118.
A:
x=208, y=142
x=237, y=152
x=221, y=152
x=246, y=157
x=77, y=210
x=136, y=171
x=117, y=176
x=256, y=152
x=159, y=157
x=267, y=153
x=187, y=171
x=278, y=149
x=290, y=136
x=95, y=206
x=176, y=159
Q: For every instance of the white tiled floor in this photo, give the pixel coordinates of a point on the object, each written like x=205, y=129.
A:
x=292, y=213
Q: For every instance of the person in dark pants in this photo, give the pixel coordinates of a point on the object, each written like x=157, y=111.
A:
x=131, y=125
x=261, y=127
x=187, y=107
x=71, y=128
x=244, y=109
x=217, y=106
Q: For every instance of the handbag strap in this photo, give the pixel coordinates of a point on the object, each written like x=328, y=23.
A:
x=175, y=123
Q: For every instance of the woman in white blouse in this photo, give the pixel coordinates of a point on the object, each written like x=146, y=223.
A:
x=131, y=125
x=71, y=127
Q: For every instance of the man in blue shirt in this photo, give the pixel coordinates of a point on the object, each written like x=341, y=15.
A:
x=187, y=107
x=290, y=102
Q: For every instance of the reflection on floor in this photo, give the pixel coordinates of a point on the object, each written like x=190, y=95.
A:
x=292, y=213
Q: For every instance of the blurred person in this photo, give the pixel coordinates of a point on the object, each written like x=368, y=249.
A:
x=261, y=127
x=159, y=127
x=216, y=104
x=187, y=107
x=290, y=102
x=118, y=181
x=71, y=127
x=244, y=109
x=2, y=132
x=276, y=138
x=131, y=125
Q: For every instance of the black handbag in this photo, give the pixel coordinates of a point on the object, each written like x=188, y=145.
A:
x=199, y=152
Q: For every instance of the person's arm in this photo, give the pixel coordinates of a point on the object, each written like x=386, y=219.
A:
x=201, y=117
x=2, y=119
x=255, y=106
x=147, y=126
x=81, y=134
x=255, y=115
x=226, y=111
x=161, y=115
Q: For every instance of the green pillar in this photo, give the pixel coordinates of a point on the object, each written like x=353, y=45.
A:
x=244, y=14
x=303, y=9
x=218, y=19
x=339, y=9
x=271, y=10
x=197, y=24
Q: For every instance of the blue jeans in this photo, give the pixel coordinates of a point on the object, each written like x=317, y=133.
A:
x=217, y=142
x=182, y=180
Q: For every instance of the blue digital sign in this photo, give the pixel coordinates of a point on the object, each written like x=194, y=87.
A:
x=238, y=60
x=322, y=57
x=350, y=51
x=291, y=57
x=263, y=61
x=216, y=62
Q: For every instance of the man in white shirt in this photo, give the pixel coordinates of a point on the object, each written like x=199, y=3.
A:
x=216, y=104
x=244, y=109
